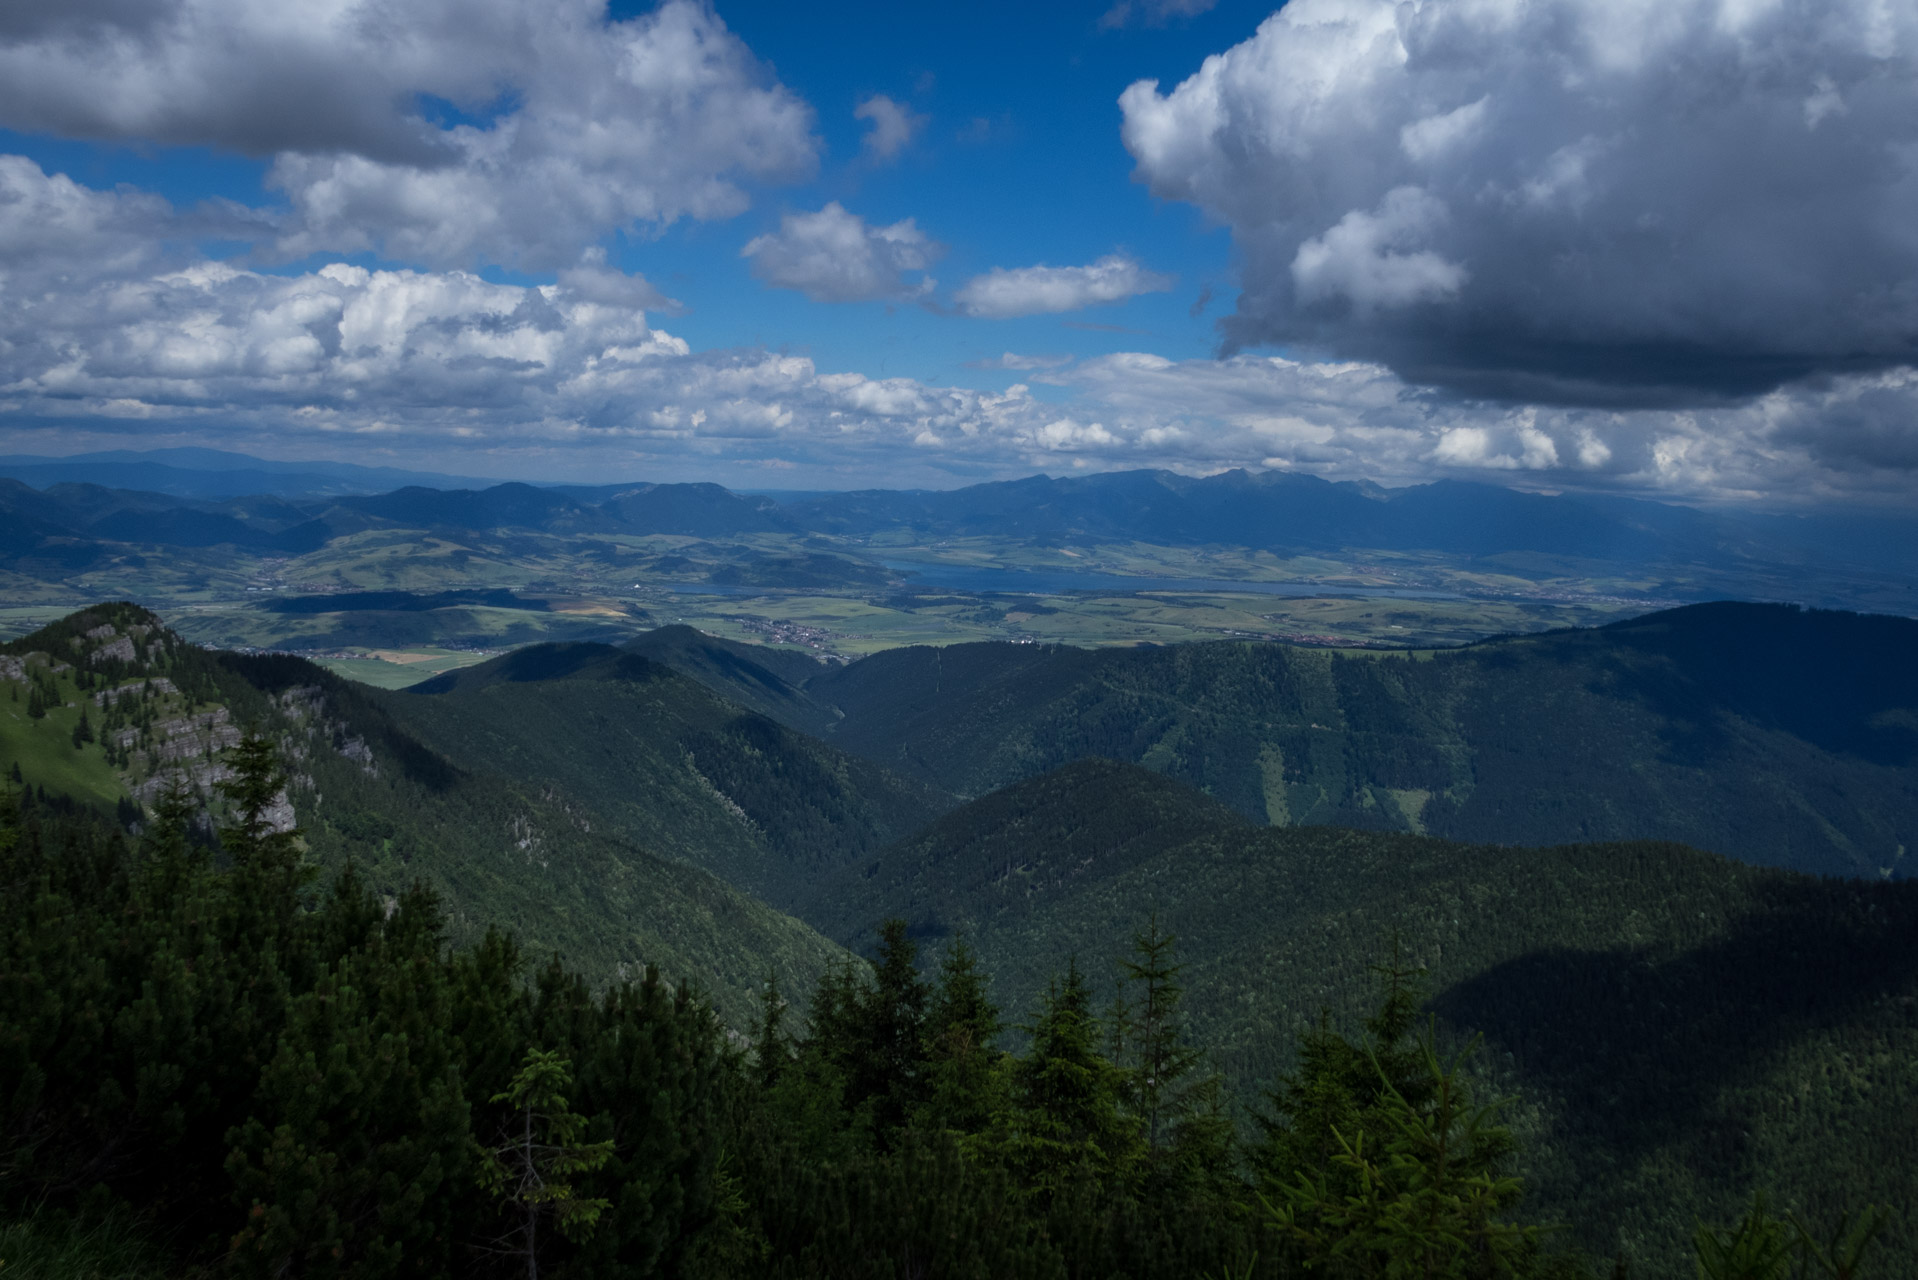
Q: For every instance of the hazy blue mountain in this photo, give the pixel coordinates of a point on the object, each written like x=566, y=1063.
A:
x=1273, y=510
x=702, y=510
x=1288, y=510
x=214, y=473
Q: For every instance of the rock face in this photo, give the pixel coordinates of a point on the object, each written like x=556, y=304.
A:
x=158, y=737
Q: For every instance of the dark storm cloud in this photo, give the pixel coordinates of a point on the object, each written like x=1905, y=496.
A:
x=1607, y=202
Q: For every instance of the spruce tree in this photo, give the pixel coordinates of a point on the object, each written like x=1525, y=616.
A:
x=892, y=1074
x=965, y=1076
x=1419, y=1191
x=1160, y=1058
x=772, y=1051
x=532, y=1168
x=1065, y=1126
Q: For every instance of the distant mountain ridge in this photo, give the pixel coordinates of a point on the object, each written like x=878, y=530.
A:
x=84, y=496
x=214, y=474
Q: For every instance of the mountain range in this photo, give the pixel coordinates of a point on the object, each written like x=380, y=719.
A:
x=1763, y=732
x=53, y=507
x=729, y=813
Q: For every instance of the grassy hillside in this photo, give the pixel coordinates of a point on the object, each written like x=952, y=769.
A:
x=1680, y=1028
x=501, y=846
x=1765, y=733
x=634, y=749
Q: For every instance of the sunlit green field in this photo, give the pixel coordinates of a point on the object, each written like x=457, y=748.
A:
x=397, y=669
x=845, y=597
x=44, y=748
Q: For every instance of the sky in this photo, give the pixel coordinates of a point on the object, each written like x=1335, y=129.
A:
x=1658, y=247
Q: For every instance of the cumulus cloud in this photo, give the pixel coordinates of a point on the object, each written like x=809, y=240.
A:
x=447, y=132
x=834, y=256
x=52, y=228
x=593, y=281
x=1569, y=201
x=105, y=328
x=892, y=125
x=1002, y=294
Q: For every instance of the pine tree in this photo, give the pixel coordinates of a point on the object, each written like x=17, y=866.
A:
x=965, y=1076
x=1065, y=1124
x=892, y=1073
x=772, y=1051
x=1161, y=1059
x=1418, y=1192
x=531, y=1169
x=82, y=731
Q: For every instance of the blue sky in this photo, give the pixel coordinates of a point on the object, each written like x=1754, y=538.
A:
x=1605, y=244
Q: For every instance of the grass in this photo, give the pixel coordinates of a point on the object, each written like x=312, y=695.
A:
x=400, y=669
x=51, y=1247
x=44, y=748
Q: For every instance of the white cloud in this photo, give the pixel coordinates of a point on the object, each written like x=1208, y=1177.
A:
x=1152, y=13
x=593, y=281
x=104, y=332
x=448, y=132
x=1001, y=294
x=893, y=126
x=1021, y=363
x=1358, y=260
x=834, y=256
x=1575, y=201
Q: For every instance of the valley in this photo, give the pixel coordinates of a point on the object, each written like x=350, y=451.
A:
x=1648, y=847
x=1627, y=815
x=1135, y=558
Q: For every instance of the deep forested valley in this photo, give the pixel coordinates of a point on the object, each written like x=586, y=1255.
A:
x=988, y=960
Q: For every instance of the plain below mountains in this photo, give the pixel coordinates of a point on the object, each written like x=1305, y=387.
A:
x=60, y=516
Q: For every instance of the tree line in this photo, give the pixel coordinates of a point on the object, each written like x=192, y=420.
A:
x=264, y=1075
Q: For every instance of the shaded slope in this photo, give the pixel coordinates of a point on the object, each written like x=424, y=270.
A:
x=639, y=750
x=759, y=678
x=1015, y=849
x=366, y=786
x=1681, y=1028
x=1762, y=732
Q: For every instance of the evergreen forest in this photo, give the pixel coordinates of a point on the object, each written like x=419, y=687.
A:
x=572, y=963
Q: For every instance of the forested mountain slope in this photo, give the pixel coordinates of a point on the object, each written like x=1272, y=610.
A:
x=638, y=750
x=758, y=677
x=1681, y=1028
x=502, y=847
x=1763, y=732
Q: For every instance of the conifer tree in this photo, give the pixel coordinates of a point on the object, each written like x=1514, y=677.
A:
x=893, y=1074
x=1065, y=1124
x=772, y=1051
x=1420, y=1191
x=532, y=1168
x=1160, y=1058
x=965, y=1083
